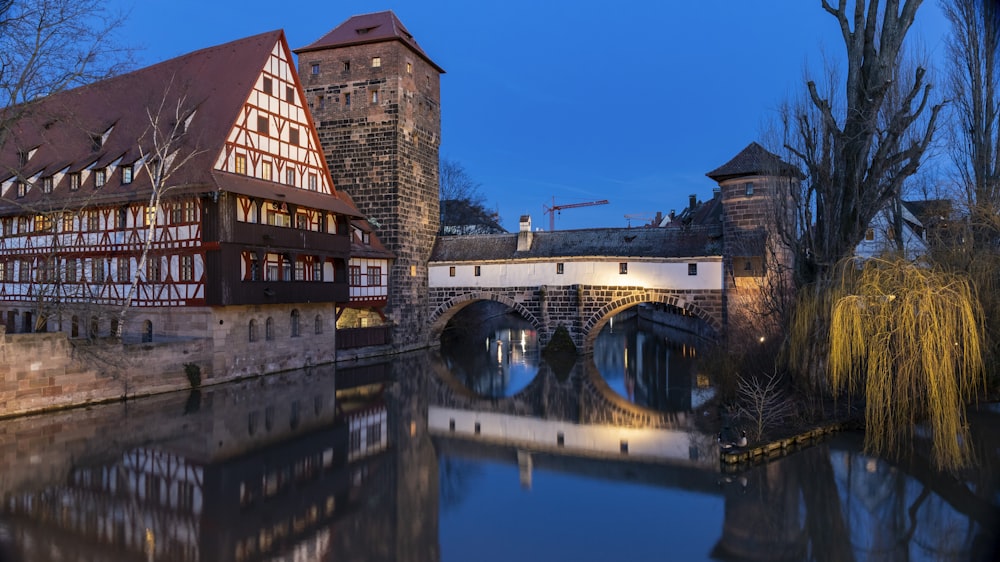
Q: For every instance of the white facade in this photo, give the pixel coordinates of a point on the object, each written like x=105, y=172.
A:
x=880, y=240
x=701, y=273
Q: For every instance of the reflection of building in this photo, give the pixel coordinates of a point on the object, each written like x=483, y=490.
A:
x=258, y=478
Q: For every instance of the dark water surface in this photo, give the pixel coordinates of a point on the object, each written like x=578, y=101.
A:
x=480, y=452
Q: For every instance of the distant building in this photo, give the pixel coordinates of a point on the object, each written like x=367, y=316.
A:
x=461, y=217
x=249, y=245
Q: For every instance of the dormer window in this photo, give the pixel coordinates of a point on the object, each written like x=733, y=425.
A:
x=47, y=185
x=100, y=177
x=22, y=158
x=74, y=181
x=22, y=188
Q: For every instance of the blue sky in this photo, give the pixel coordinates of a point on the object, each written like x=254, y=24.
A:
x=629, y=101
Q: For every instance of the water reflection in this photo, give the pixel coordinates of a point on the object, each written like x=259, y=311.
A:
x=649, y=364
x=364, y=464
x=495, y=357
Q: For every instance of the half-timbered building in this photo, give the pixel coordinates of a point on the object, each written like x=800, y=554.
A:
x=194, y=195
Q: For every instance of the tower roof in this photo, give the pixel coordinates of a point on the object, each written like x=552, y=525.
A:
x=376, y=27
x=754, y=160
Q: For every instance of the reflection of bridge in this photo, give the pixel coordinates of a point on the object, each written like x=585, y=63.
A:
x=579, y=279
x=575, y=415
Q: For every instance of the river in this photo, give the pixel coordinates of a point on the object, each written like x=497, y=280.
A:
x=480, y=451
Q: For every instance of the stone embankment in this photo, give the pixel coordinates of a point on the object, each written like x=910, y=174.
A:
x=740, y=458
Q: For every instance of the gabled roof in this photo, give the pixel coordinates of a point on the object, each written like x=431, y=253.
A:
x=596, y=242
x=754, y=160
x=368, y=28
x=209, y=85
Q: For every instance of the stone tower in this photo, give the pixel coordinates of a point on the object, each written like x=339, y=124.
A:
x=755, y=189
x=376, y=100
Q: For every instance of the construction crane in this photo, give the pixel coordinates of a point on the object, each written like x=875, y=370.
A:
x=557, y=208
x=637, y=217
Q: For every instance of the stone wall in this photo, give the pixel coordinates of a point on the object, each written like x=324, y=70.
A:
x=382, y=149
x=581, y=309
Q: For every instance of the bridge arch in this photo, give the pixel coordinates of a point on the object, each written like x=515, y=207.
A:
x=592, y=326
x=439, y=318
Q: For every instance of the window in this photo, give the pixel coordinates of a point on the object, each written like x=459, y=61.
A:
x=74, y=181
x=317, y=270
x=93, y=220
x=8, y=226
x=314, y=68
x=124, y=270
x=354, y=273
x=100, y=177
x=47, y=185
x=300, y=270
x=265, y=170
x=451, y=271
x=126, y=175
x=293, y=135
x=559, y=269
x=22, y=189
x=22, y=225
x=376, y=62
x=409, y=68
x=153, y=270
x=122, y=218
x=3, y=272
x=320, y=102
x=187, y=268
x=24, y=271
x=374, y=276
x=67, y=223
x=374, y=95
x=748, y=265
x=347, y=66
x=623, y=268
x=269, y=329
x=477, y=271
x=262, y=123
x=71, y=269
x=301, y=221
x=240, y=164
x=254, y=268
x=870, y=234
x=42, y=223
x=295, y=323
x=148, y=215
x=268, y=86
x=318, y=328
x=289, y=94
x=347, y=99
x=692, y=269
x=290, y=176
x=97, y=270
x=252, y=334
x=748, y=188
x=313, y=180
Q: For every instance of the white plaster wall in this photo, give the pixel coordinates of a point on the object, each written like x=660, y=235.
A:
x=648, y=274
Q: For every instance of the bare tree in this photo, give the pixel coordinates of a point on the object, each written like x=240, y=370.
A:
x=50, y=45
x=857, y=143
x=974, y=85
x=463, y=206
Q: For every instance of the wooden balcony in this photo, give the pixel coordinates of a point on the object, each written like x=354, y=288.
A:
x=278, y=292
x=281, y=238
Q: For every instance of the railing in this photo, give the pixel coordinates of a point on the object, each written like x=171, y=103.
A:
x=350, y=338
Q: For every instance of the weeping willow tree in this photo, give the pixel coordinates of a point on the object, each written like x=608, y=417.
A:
x=909, y=337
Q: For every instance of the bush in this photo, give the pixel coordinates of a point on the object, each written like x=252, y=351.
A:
x=193, y=372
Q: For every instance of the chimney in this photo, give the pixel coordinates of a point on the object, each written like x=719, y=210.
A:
x=525, y=235
x=693, y=200
x=715, y=192
x=658, y=219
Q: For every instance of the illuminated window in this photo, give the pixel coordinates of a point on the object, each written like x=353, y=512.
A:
x=22, y=189
x=374, y=95
x=870, y=234
x=67, y=222
x=93, y=220
x=187, y=268
x=74, y=181
x=559, y=269
x=451, y=271
x=477, y=271
x=409, y=68
x=376, y=62
x=240, y=164
x=265, y=170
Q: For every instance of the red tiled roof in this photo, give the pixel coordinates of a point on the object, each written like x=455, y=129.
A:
x=215, y=82
x=368, y=28
x=751, y=161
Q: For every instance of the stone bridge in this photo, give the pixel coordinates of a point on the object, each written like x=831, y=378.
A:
x=579, y=279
